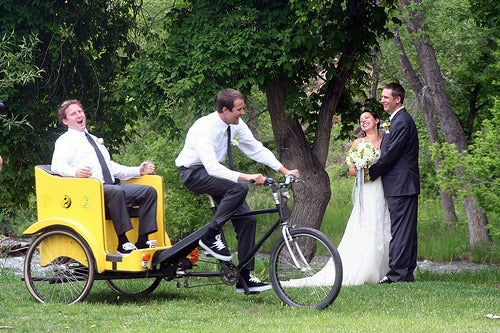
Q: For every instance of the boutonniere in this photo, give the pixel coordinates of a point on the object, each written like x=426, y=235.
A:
x=235, y=141
x=100, y=141
x=386, y=126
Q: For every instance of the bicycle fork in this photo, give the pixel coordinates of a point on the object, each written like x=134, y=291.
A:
x=303, y=265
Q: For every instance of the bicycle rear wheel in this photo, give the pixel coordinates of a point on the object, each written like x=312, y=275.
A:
x=138, y=286
x=306, y=271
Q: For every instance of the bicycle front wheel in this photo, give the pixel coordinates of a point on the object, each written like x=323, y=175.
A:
x=59, y=267
x=306, y=270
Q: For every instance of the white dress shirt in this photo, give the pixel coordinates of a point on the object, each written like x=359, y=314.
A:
x=73, y=151
x=206, y=144
x=394, y=113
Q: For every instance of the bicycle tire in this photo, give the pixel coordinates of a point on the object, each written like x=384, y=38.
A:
x=134, y=287
x=52, y=272
x=317, y=280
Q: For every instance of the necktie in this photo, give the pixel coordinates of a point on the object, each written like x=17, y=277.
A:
x=104, y=167
x=229, y=153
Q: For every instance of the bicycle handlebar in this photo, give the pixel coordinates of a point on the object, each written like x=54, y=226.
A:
x=289, y=179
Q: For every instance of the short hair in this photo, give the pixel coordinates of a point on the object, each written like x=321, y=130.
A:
x=61, y=112
x=226, y=98
x=396, y=90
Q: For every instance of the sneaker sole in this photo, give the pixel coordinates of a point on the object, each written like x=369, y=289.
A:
x=214, y=254
x=255, y=289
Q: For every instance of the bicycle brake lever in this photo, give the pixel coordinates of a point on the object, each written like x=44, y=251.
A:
x=290, y=178
x=268, y=181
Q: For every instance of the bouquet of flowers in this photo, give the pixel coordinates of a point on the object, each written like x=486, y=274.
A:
x=363, y=155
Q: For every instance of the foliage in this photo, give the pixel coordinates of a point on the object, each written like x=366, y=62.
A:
x=468, y=60
x=16, y=69
x=73, y=49
x=469, y=63
x=14, y=220
x=246, y=44
x=16, y=62
x=478, y=167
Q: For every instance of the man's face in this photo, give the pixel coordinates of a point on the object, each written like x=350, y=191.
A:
x=389, y=103
x=233, y=116
x=75, y=118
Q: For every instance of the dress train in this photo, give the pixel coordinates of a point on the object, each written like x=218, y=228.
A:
x=364, y=248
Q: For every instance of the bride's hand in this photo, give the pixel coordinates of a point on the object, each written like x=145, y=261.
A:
x=353, y=171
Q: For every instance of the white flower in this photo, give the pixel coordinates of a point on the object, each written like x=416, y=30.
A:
x=235, y=141
x=386, y=126
x=100, y=141
x=363, y=155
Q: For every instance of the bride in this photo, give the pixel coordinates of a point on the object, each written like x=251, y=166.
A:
x=364, y=248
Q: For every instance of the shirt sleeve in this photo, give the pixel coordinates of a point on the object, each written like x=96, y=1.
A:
x=123, y=172
x=60, y=163
x=254, y=149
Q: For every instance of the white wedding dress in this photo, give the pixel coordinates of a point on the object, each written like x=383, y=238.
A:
x=364, y=248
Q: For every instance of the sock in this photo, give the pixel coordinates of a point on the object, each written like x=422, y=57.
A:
x=245, y=273
x=141, y=241
x=122, y=239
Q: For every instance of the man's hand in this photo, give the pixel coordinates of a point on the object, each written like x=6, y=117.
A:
x=84, y=172
x=287, y=172
x=147, y=168
x=255, y=178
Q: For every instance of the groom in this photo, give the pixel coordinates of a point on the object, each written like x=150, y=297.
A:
x=398, y=167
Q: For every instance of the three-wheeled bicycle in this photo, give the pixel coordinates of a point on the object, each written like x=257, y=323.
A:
x=74, y=244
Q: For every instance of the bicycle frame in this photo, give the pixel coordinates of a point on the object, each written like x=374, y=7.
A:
x=278, y=196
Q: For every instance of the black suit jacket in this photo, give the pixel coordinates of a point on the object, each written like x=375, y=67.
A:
x=398, y=163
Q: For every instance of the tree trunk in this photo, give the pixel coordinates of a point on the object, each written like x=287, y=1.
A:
x=375, y=74
x=478, y=234
x=450, y=126
x=312, y=196
x=427, y=109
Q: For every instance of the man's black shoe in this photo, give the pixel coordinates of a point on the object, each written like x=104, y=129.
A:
x=213, y=243
x=253, y=284
x=385, y=280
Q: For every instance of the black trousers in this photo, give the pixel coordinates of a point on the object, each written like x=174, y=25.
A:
x=230, y=198
x=122, y=195
x=403, y=245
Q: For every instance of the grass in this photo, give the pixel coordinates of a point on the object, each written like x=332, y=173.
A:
x=435, y=303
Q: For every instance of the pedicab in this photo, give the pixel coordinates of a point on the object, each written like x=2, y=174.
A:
x=74, y=243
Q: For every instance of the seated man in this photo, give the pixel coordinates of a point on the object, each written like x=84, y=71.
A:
x=80, y=154
x=200, y=162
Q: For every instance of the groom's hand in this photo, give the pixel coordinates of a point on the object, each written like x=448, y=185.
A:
x=366, y=172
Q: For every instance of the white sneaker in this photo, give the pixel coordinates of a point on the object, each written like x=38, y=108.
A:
x=126, y=248
x=151, y=243
x=213, y=243
x=253, y=284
